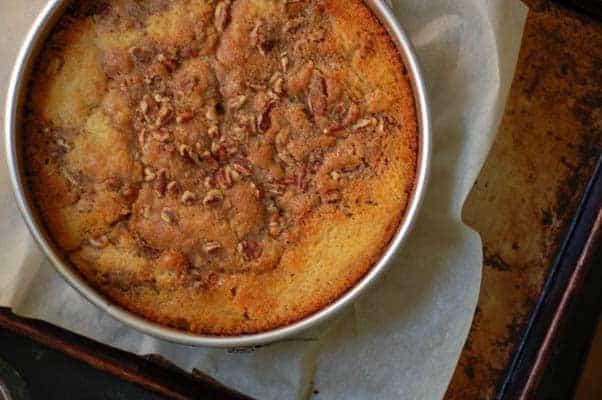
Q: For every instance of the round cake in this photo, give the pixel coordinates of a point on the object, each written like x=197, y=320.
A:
x=221, y=167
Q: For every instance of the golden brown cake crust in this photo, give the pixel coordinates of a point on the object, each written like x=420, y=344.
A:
x=222, y=167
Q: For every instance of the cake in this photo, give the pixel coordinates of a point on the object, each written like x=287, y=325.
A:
x=220, y=167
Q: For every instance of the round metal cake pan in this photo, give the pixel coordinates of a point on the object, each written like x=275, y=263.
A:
x=17, y=93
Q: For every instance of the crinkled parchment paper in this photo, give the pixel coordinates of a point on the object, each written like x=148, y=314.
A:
x=403, y=338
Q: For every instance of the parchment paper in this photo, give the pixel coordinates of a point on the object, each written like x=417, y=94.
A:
x=401, y=340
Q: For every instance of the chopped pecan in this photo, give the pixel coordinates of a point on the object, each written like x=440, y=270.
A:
x=169, y=64
x=256, y=190
x=168, y=215
x=113, y=183
x=352, y=115
x=209, y=160
x=188, y=198
x=165, y=115
x=161, y=135
x=365, y=122
x=63, y=143
x=232, y=173
x=336, y=130
x=317, y=96
x=278, y=86
x=315, y=160
x=185, y=151
x=211, y=247
x=149, y=174
x=274, y=188
x=284, y=62
x=173, y=188
x=223, y=179
x=184, y=116
x=301, y=178
x=209, y=182
x=140, y=55
x=264, y=121
x=237, y=102
x=161, y=183
x=250, y=249
x=222, y=15
x=274, y=226
x=213, y=196
x=213, y=131
x=211, y=113
x=243, y=166
x=262, y=37
x=129, y=192
x=332, y=196
x=99, y=242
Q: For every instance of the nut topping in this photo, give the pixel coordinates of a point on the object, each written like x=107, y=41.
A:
x=274, y=225
x=161, y=183
x=184, y=116
x=250, y=249
x=256, y=190
x=161, y=135
x=211, y=114
x=243, y=166
x=223, y=179
x=173, y=188
x=149, y=174
x=188, y=198
x=332, y=196
x=317, y=96
x=185, y=150
x=222, y=15
x=237, y=102
x=169, y=65
x=168, y=215
x=213, y=196
x=99, y=242
x=284, y=62
x=209, y=182
x=211, y=247
x=213, y=131
x=362, y=123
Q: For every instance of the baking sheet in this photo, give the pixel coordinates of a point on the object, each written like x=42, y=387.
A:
x=403, y=338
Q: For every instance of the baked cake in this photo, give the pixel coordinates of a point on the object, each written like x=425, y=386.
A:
x=221, y=167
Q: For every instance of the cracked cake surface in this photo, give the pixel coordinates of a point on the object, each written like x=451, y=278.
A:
x=221, y=167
